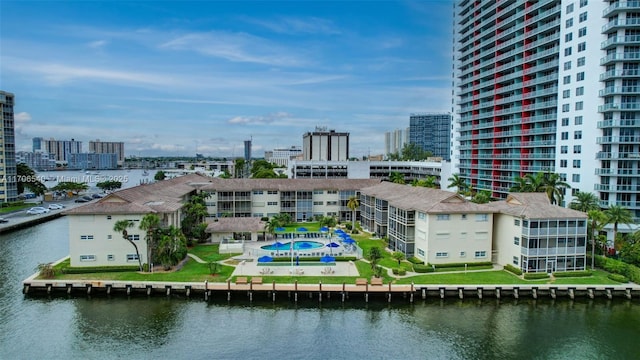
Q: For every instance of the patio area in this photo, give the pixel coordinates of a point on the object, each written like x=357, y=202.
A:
x=251, y=267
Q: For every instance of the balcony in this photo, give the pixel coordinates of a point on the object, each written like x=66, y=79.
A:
x=618, y=172
x=620, y=23
x=613, y=74
x=621, y=56
x=618, y=107
x=621, y=6
x=620, y=40
x=617, y=188
x=618, y=140
x=619, y=90
x=617, y=155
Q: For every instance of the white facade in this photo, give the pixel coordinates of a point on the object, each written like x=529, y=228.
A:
x=281, y=157
x=325, y=145
x=8, y=174
x=395, y=140
x=300, y=169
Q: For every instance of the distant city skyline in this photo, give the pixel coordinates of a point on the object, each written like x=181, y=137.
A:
x=176, y=78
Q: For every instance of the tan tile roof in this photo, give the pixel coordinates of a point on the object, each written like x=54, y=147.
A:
x=219, y=184
x=236, y=224
x=424, y=199
x=159, y=197
x=534, y=206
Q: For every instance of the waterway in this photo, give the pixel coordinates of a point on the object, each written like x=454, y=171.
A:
x=162, y=327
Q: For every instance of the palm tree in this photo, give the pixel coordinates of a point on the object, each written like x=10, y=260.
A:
x=428, y=182
x=457, y=182
x=396, y=178
x=150, y=224
x=597, y=221
x=585, y=202
x=552, y=184
x=522, y=185
x=272, y=224
x=121, y=226
x=353, y=204
x=617, y=214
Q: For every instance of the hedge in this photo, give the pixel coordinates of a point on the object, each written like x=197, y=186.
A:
x=614, y=266
x=415, y=260
x=535, y=276
x=619, y=278
x=98, y=269
x=421, y=268
x=579, y=273
x=312, y=258
x=448, y=265
x=399, y=271
x=513, y=269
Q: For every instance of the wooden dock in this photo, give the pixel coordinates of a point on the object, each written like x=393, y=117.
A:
x=343, y=291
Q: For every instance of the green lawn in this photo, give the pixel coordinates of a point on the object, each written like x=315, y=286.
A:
x=209, y=252
x=12, y=208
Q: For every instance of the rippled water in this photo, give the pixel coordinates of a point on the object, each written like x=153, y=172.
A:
x=174, y=327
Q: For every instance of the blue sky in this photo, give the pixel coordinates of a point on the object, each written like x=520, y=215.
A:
x=170, y=78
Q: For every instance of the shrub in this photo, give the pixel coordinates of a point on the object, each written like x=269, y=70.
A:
x=619, y=278
x=579, y=273
x=399, y=271
x=415, y=260
x=355, y=231
x=348, y=226
x=461, y=265
x=99, y=269
x=629, y=271
x=513, y=269
x=421, y=268
x=46, y=271
x=535, y=276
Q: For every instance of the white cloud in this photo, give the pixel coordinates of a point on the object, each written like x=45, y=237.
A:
x=22, y=117
x=297, y=25
x=97, y=44
x=259, y=120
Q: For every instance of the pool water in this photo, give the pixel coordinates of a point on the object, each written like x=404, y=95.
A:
x=298, y=245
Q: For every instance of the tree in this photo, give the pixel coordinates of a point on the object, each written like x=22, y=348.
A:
x=328, y=221
x=159, y=176
x=597, y=221
x=553, y=185
x=481, y=197
x=457, y=182
x=150, y=223
x=109, y=185
x=272, y=224
x=617, y=214
x=353, y=204
x=396, y=178
x=239, y=167
x=413, y=152
x=398, y=255
x=428, y=182
x=195, y=211
x=121, y=226
x=264, y=174
x=585, y=202
x=26, y=178
x=74, y=187
x=630, y=252
x=375, y=254
x=172, y=247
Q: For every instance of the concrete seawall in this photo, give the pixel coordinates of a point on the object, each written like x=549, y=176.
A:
x=229, y=290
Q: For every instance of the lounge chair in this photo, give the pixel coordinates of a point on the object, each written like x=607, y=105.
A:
x=241, y=280
x=376, y=281
x=361, y=281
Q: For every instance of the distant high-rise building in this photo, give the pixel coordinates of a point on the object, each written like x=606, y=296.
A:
x=325, y=145
x=281, y=157
x=108, y=147
x=92, y=161
x=59, y=148
x=37, y=160
x=247, y=150
x=395, y=140
x=8, y=174
x=431, y=132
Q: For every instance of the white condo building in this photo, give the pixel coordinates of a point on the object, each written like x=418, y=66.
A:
x=395, y=140
x=549, y=86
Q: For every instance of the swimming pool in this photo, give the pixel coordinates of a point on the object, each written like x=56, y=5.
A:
x=298, y=245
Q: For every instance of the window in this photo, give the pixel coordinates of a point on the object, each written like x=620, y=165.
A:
x=515, y=260
x=577, y=149
x=442, y=254
x=578, y=120
x=442, y=217
x=581, y=61
x=568, y=23
x=109, y=237
x=576, y=164
x=568, y=37
x=575, y=178
x=567, y=65
x=86, y=237
x=422, y=216
x=563, y=163
x=564, y=149
x=87, y=258
x=132, y=257
x=579, y=105
x=583, y=3
x=272, y=192
x=574, y=192
x=564, y=135
x=569, y=8
x=420, y=252
x=580, y=76
x=318, y=192
x=580, y=91
x=577, y=135
x=332, y=192
x=318, y=203
x=583, y=17
x=108, y=217
x=482, y=217
x=332, y=203
x=567, y=51
x=516, y=240
x=565, y=121
x=566, y=80
x=516, y=222
x=110, y=257
x=566, y=107
x=480, y=254
x=566, y=94
x=134, y=237
x=464, y=216
x=582, y=47
x=272, y=203
x=463, y=254
x=582, y=32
